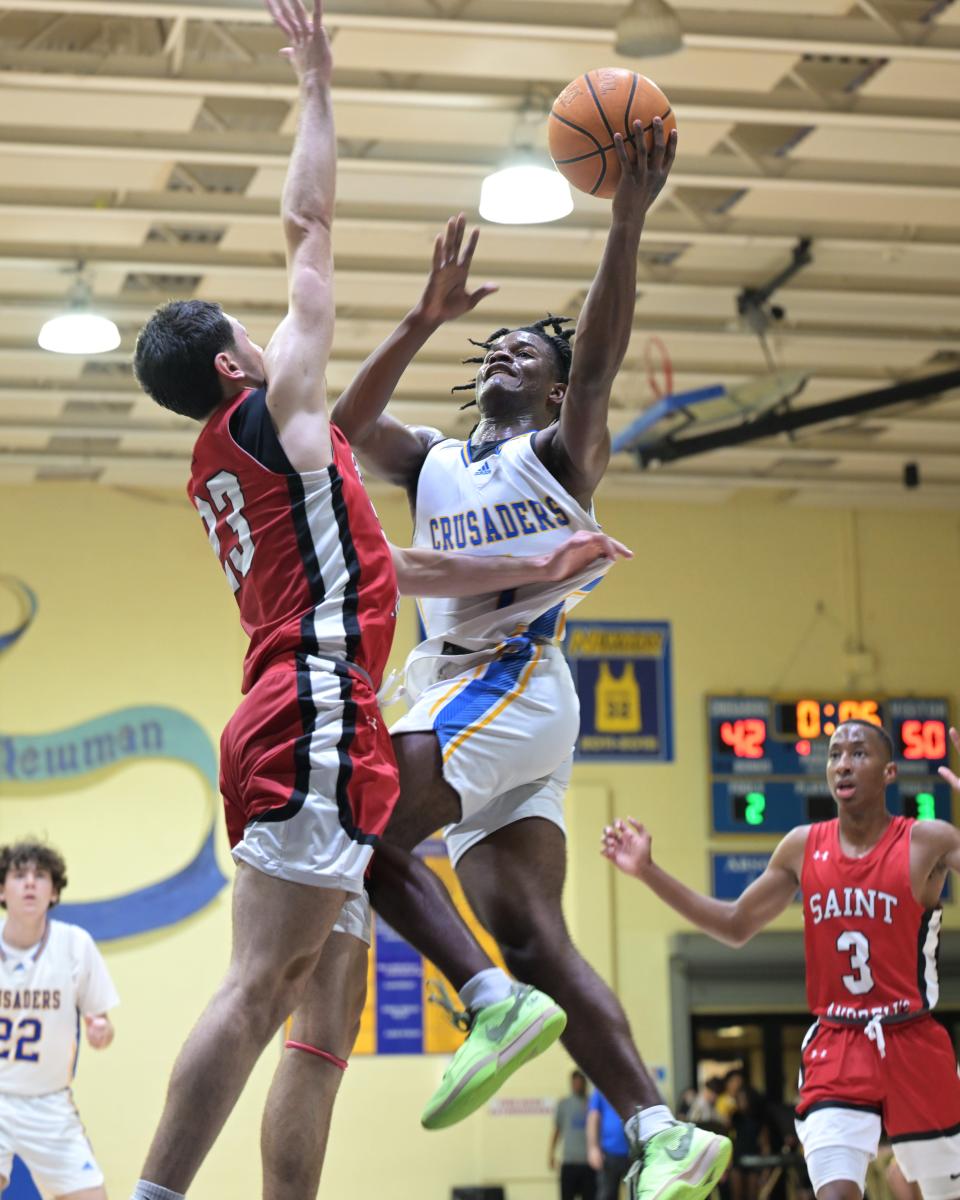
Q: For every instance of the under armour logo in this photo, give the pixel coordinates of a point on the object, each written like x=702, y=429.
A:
x=483, y=469
x=821, y=855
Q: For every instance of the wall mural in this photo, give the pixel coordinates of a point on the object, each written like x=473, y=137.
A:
x=42, y=762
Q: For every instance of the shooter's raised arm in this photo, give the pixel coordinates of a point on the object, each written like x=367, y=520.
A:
x=395, y=450
x=296, y=357
x=579, y=448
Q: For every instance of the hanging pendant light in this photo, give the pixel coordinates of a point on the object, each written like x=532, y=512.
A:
x=648, y=28
x=525, y=191
x=79, y=331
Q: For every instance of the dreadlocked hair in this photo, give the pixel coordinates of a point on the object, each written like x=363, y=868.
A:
x=551, y=329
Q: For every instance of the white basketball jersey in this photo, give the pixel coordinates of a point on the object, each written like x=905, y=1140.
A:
x=504, y=503
x=43, y=995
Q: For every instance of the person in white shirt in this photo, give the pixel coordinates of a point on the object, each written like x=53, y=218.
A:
x=51, y=977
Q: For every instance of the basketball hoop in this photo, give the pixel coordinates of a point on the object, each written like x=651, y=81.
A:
x=656, y=358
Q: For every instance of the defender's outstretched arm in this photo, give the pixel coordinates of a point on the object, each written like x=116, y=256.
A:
x=422, y=572
x=296, y=357
x=628, y=845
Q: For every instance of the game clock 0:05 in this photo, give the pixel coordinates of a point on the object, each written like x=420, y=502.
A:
x=768, y=757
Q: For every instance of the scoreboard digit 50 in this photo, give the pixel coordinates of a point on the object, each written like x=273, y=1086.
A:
x=768, y=757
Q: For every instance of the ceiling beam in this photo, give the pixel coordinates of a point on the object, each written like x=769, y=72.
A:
x=182, y=440
x=374, y=327
x=829, y=36
x=217, y=209
x=161, y=258
x=879, y=113
x=274, y=151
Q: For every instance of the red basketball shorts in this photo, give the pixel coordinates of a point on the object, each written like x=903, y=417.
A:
x=307, y=773
x=905, y=1080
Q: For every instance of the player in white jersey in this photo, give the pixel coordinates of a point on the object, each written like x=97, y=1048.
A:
x=51, y=978
x=486, y=748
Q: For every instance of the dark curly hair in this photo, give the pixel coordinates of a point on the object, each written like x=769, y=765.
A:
x=22, y=854
x=174, y=357
x=551, y=330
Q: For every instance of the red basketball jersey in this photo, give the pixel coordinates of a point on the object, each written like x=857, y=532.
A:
x=871, y=949
x=304, y=553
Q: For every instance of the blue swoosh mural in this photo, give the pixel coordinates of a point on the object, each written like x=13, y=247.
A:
x=107, y=743
x=26, y=602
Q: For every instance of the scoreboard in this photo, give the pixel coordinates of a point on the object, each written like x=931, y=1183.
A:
x=768, y=758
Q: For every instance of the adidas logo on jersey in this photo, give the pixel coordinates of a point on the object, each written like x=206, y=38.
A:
x=483, y=469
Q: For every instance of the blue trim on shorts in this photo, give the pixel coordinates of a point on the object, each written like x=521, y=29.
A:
x=483, y=693
x=545, y=626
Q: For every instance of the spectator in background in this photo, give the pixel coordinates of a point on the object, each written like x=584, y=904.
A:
x=727, y=1103
x=751, y=1136
x=578, y=1180
x=703, y=1110
x=685, y=1103
x=607, y=1148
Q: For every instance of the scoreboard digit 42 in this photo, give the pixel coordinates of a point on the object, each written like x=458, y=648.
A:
x=768, y=758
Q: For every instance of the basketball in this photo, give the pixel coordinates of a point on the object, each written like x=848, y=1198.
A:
x=586, y=115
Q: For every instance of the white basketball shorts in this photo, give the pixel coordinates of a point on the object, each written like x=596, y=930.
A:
x=506, y=723
x=47, y=1133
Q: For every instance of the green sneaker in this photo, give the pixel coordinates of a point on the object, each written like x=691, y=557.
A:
x=680, y=1163
x=502, y=1038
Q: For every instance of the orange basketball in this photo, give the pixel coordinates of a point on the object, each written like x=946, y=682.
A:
x=586, y=115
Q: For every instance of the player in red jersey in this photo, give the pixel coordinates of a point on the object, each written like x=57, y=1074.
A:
x=871, y=886
x=307, y=770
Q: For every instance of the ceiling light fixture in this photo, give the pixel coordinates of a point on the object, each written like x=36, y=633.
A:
x=648, y=28
x=79, y=331
x=525, y=191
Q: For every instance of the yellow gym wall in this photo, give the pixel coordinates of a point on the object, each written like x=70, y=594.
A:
x=133, y=610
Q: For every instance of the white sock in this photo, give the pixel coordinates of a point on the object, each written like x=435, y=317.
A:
x=153, y=1191
x=648, y=1122
x=486, y=987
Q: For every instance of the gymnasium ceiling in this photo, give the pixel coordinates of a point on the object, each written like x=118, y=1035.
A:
x=148, y=140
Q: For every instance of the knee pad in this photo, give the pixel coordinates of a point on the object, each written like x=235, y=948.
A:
x=830, y=1164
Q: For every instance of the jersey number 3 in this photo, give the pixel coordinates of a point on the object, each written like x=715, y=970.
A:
x=858, y=947
x=225, y=507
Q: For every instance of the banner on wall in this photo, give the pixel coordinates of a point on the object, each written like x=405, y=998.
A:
x=399, y=1017
x=732, y=874
x=622, y=673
